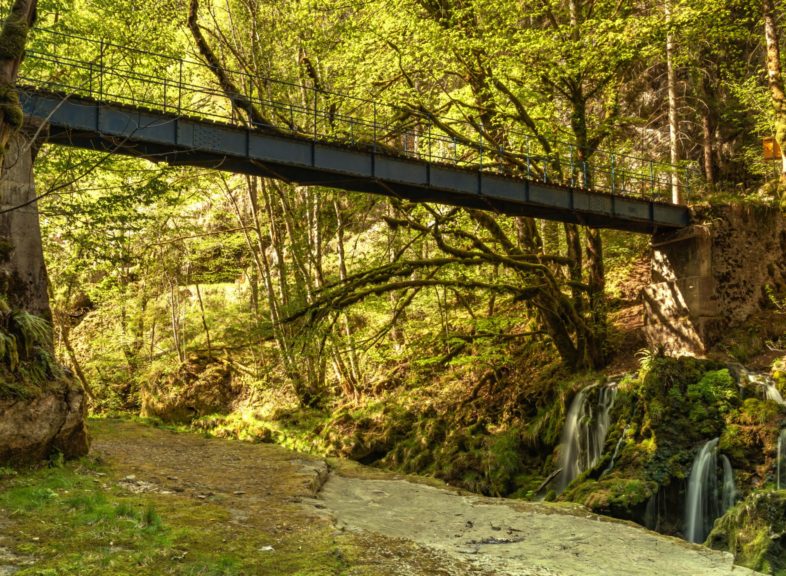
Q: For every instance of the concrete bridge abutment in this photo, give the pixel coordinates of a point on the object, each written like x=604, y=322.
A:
x=713, y=276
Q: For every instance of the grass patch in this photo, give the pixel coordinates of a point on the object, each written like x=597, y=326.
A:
x=75, y=519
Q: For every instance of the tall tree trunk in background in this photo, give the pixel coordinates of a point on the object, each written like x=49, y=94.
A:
x=709, y=148
x=775, y=79
x=671, y=82
x=13, y=38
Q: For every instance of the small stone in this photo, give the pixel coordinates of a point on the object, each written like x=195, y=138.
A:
x=266, y=549
x=238, y=492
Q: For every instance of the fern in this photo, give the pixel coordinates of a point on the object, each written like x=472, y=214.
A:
x=32, y=330
x=646, y=360
x=9, y=351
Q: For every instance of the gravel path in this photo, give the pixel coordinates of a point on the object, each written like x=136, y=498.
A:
x=388, y=526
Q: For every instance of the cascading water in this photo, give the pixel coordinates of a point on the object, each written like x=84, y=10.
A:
x=701, y=504
x=767, y=385
x=729, y=491
x=704, y=503
x=616, y=452
x=584, y=434
x=780, y=478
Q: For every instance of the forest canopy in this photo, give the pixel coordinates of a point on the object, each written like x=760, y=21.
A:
x=334, y=293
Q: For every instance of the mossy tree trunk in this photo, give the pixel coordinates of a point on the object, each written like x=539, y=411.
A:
x=13, y=38
x=23, y=280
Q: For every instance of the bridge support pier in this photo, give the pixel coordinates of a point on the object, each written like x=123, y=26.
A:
x=23, y=278
x=711, y=277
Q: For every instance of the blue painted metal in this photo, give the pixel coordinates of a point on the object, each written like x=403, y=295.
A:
x=311, y=160
x=99, y=99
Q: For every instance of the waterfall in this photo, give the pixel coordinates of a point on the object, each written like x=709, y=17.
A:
x=767, y=385
x=701, y=505
x=584, y=433
x=616, y=451
x=729, y=492
x=780, y=478
x=704, y=503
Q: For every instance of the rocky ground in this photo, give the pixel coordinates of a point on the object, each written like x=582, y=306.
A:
x=277, y=512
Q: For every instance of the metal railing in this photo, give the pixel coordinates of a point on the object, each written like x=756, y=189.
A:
x=108, y=72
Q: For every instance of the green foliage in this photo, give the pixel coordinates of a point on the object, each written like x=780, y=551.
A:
x=710, y=397
x=26, y=364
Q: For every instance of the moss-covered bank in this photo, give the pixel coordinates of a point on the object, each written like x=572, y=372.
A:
x=755, y=532
x=661, y=419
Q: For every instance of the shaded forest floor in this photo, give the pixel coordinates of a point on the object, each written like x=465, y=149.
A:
x=153, y=501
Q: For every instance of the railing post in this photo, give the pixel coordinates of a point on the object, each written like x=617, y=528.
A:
x=180, y=89
x=613, y=168
x=652, y=180
x=480, y=148
x=315, y=114
x=572, y=168
x=101, y=71
x=585, y=170
x=529, y=160
x=374, y=137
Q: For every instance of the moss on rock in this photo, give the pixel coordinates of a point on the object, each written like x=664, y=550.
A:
x=200, y=386
x=755, y=532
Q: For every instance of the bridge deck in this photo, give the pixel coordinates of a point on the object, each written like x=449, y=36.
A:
x=165, y=137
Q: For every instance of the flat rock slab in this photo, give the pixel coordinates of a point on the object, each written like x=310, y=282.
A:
x=525, y=539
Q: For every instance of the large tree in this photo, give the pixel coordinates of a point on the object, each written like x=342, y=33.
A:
x=13, y=38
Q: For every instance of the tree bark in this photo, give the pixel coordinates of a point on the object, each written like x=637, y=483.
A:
x=709, y=147
x=671, y=83
x=23, y=278
x=775, y=79
x=13, y=38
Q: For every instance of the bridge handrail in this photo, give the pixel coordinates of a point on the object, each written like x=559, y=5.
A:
x=620, y=174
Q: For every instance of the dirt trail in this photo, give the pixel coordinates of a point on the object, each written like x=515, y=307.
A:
x=385, y=525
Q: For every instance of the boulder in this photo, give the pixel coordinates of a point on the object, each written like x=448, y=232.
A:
x=755, y=532
x=198, y=387
x=33, y=428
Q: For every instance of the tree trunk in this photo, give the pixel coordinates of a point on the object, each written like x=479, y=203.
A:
x=72, y=358
x=204, y=320
x=709, y=146
x=23, y=277
x=671, y=82
x=775, y=79
x=13, y=38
